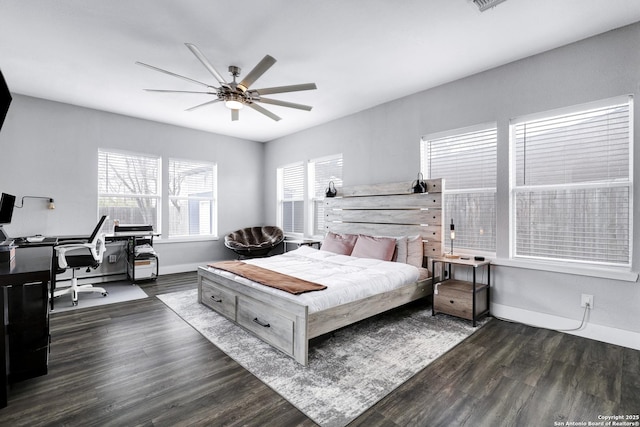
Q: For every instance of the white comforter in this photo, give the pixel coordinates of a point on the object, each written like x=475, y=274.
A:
x=347, y=278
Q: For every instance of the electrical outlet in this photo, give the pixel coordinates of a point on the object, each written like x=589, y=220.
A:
x=113, y=258
x=586, y=299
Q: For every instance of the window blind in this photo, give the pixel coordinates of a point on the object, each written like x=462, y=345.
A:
x=128, y=188
x=321, y=172
x=573, y=184
x=466, y=159
x=292, y=203
x=192, y=192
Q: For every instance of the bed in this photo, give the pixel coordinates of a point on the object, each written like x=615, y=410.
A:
x=288, y=322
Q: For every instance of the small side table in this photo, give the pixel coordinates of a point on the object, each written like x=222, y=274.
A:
x=301, y=242
x=468, y=300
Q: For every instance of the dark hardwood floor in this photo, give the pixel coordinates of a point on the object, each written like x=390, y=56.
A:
x=138, y=364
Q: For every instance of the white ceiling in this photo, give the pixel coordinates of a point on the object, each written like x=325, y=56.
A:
x=360, y=53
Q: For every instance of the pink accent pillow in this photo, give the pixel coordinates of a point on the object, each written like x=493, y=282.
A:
x=374, y=247
x=341, y=244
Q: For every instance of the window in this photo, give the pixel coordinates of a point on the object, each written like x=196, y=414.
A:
x=466, y=159
x=192, y=198
x=295, y=216
x=291, y=198
x=572, y=184
x=129, y=187
x=321, y=172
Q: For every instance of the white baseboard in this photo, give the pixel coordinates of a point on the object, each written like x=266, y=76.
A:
x=180, y=268
x=592, y=331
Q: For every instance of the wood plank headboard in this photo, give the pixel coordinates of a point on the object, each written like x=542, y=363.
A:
x=389, y=210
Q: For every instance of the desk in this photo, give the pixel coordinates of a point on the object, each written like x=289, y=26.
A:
x=142, y=266
x=24, y=329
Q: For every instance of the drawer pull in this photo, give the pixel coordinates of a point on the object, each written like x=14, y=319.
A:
x=213, y=297
x=265, y=325
x=451, y=301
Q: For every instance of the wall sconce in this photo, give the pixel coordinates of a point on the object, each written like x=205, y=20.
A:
x=452, y=237
x=331, y=190
x=419, y=186
x=51, y=204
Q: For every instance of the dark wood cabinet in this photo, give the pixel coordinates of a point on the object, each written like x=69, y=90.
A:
x=28, y=331
x=24, y=325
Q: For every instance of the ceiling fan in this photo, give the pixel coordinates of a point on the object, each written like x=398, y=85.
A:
x=236, y=95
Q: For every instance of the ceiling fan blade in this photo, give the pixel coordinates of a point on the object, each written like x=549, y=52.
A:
x=264, y=111
x=203, y=105
x=194, y=49
x=285, y=104
x=282, y=89
x=179, y=91
x=173, y=74
x=257, y=71
x=235, y=115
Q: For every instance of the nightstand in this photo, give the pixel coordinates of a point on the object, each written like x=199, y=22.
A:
x=301, y=242
x=462, y=298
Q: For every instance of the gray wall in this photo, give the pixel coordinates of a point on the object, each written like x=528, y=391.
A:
x=382, y=145
x=50, y=149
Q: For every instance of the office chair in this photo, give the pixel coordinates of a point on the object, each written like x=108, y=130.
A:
x=86, y=254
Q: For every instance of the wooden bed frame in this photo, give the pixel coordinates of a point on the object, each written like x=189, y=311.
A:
x=378, y=210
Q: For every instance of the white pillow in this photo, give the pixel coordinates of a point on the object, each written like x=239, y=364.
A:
x=415, y=251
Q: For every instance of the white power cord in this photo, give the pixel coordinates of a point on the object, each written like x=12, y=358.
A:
x=582, y=324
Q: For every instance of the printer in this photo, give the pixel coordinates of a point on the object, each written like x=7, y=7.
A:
x=133, y=230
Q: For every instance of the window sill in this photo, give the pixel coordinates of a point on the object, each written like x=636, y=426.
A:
x=600, y=272
x=186, y=239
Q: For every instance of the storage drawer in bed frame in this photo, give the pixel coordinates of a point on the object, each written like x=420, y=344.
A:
x=217, y=298
x=267, y=323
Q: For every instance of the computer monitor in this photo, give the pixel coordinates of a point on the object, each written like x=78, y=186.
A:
x=7, y=202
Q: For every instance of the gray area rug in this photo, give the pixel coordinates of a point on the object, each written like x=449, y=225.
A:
x=349, y=370
x=118, y=292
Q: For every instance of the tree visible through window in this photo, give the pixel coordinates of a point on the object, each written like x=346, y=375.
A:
x=128, y=188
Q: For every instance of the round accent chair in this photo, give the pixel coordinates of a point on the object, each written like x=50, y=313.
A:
x=254, y=242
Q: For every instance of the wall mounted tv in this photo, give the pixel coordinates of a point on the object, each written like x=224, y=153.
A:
x=5, y=99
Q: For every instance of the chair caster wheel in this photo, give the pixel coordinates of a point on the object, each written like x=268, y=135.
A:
x=104, y=294
x=74, y=303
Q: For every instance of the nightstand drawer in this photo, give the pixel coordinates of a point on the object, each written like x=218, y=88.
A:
x=455, y=297
x=218, y=298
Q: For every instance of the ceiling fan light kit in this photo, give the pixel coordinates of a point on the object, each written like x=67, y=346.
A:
x=236, y=95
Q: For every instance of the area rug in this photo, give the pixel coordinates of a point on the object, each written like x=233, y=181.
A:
x=118, y=292
x=349, y=370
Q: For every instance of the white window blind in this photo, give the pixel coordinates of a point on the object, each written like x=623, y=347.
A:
x=128, y=188
x=466, y=159
x=573, y=184
x=291, y=195
x=321, y=172
x=192, y=198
